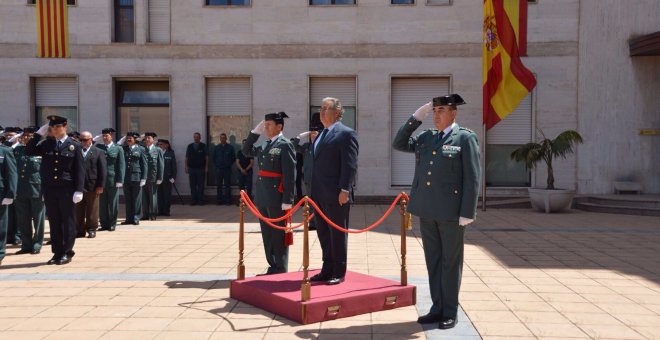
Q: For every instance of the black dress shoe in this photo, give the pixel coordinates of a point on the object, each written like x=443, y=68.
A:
x=429, y=318
x=23, y=251
x=91, y=234
x=35, y=252
x=53, y=260
x=447, y=323
x=136, y=223
x=71, y=254
x=319, y=277
x=335, y=281
x=63, y=260
x=126, y=222
x=112, y=228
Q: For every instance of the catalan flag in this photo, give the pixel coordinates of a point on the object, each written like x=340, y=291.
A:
x=506, y=81
x=52, y=29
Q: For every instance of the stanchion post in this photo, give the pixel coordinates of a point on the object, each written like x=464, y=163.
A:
x=404, y=222
x=306, y=287
x=241, y=241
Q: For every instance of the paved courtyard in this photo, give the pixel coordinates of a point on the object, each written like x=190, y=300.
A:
x=527, y=275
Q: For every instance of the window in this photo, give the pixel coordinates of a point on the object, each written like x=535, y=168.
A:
x=68, y=2
x=512, y=132
x=438, y=2
x=124, y=21
x=331, y=2
x=159, y=21
x=228, y=2
x=143, y=106
x=342, y=88
x=403, y=2
x=56, y=96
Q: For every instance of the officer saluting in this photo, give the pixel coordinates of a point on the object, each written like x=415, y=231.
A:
x=444, y=195
x=63, y=177
x=275, y=185
x=136, y=177
x=116, y=163
x=29, y=204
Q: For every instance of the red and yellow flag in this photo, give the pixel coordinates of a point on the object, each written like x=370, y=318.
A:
x=506, y=80
x=52, y=29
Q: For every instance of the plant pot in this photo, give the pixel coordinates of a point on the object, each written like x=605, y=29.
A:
x=551, y=200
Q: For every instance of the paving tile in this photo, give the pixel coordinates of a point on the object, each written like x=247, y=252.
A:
x=194, y=325
x=144, y=324
x=129, y=335
x=563, y=330
x=588, y=318
x=75, y=335
x=510, y=329
x=610, y=332
x=93, y=324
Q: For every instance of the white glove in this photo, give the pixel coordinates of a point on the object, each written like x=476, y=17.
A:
x=119, y=185
x=96, y=138
x=463, y=221
x=77, y=196
x=43, y=129
x=158, y=181
x=172, y=180
x=423, y=111
x=286, y=206
x=304, y=135
x=260, y=128
x=16, y=136
x=122, y=140
x=7, y=201
x=143, y=182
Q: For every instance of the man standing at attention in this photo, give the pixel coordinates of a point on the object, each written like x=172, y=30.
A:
x=274, y=192
x=87, y=211
x=155, y=169
x=8, y=183
x=223, y=159
x=333, y=175
x=116, y=168
x=444, y=195
x=169, y=176
x=196, y=167
x=136, y=177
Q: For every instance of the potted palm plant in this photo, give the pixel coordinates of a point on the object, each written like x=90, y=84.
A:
x=549, y=199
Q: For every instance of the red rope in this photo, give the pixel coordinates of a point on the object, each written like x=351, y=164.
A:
x=270, y=221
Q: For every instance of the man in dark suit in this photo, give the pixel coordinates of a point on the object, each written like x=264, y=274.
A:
x=333, y=175
x=116, y=168
x=169, y=177
x=87, y=211
x=444, y=195
x=63, y=178
x=274, y=192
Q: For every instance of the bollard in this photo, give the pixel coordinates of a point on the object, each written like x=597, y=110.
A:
x=404, y=224
x=241, y=245
x=306, y=287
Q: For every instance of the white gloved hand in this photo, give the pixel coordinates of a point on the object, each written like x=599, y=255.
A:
x=122, y=140
x=77, y=196
x=286, y=206
x=158, y=181
x=143, y=182
x=96, y=138
x=304, y=135
x=172, y=180
x=16, y=136
x=119, y=185
x=43, y=129
x=7, y=201
x=260, y=128
x=423, y=111
x=463, y=221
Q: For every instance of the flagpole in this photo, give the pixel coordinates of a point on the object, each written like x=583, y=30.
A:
x=483, y=172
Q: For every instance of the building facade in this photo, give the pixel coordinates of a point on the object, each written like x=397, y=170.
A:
x=212, y=66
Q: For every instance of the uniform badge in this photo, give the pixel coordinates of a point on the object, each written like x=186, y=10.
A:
x=275, y=151
x=71, y=147
x=451, y=148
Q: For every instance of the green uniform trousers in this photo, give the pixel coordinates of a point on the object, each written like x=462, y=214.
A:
x=13, y=230
x=133, y=198
x=4, y=217
x=277, y=254
x=150, y=201
x=30, y=217
x=109, y=208
x=443, y=250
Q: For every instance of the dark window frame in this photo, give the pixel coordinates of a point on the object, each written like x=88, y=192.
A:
x=332, y=3
x=409, y=2
x=229, y=4
x=68, y=2
x=117, y=7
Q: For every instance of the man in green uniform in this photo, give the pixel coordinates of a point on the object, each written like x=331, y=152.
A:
x=274, y=192
x=444, y=195
x=13, y=135
x=8, y=184
x=29, y=204
x=169, y=176
x=304, y=144
x=135, y=178
x=155, y=168
x=116, y=168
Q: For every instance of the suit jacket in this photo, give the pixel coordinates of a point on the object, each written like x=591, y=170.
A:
x=115, y=162
x=8, y=174
x=335, y=164
x=136, y=163
x=95, y=169
x=305, y=148
x=278, y=157
x=169, y=159
x=29, y=181
x=447, y=171
x=155, y=163
x=60, y=166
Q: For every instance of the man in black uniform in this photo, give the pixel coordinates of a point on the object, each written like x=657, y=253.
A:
x=244, y=164
x=63, y=177
x=197, y=166
x=169, y=176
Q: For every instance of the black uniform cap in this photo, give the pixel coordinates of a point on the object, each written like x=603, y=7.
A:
x=74, y=134
x=55, y=120
x=449, y=100
x=107, y=130
x=133, y=134
x=13, y=129
x=150, y=134
x=164, y=141
x=31, y=129
x=277, y=117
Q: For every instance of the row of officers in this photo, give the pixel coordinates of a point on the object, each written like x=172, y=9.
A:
x=74, y=180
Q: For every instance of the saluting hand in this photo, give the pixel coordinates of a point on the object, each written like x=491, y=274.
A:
x=260, y=128
x=43, y=130
x=423, y=111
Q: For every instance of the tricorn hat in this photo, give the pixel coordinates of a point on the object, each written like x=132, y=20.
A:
x=452, y=99
x=277, y=117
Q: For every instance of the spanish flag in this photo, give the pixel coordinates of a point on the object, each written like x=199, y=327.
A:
x=52, y=29
x=506, y=81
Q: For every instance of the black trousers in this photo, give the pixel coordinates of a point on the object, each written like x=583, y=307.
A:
x=223, y=182
x=164, y=197
x=334, y=243
x=245, y=182
x=61, y=212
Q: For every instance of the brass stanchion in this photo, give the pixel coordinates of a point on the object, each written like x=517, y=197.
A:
x=306, y=287
x=404, y=224
x=241, y=245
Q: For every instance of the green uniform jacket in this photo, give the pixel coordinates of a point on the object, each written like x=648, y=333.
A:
x=8, y=174
x=116, y=163
x=278, y=157
x=136, y=163
x=305, y=147
x=170, y=165
x=155, y=164
x=447, y=171
x=29, y=179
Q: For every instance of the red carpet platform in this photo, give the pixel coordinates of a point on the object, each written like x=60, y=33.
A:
x=359, y=294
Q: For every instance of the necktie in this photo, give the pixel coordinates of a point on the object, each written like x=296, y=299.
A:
x=59, y=144
x=440, y=135
x=267, y=144
x=323, y=133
